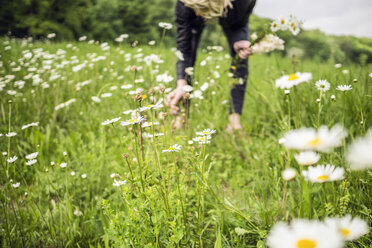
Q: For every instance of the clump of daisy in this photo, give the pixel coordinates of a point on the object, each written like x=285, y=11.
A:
x=323, y=173
x=359, y=155
x=307, y=158
x=344, y=87
x=288, y=81
x=322, y=140
x=323, y=85
x=350, y=228
x=174, y=148
x=303, y=234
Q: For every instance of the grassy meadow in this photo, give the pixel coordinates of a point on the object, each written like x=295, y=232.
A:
x=97, y=184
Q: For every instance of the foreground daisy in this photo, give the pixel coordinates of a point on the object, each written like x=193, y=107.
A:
x=203, y=139
x=174, y=148
x=288, y=81
x=206, y=132
x=304, y=234
x=349, y=228
x=310, y=139
x=359, y=154
x=12, y=159
x=323, y=173
x=307, y=158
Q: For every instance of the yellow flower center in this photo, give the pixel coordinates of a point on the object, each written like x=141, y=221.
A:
x=283, y=21
x=274, y=25
x=144, y=96
x=201, y=138
x=292, y=24
x=171, y=148
x=133, y=120
x=149, y=106
x=345, y=232
x=315, y=142
x=306, y=243
x=205, y=132
x=292, y=77
x=322, y=177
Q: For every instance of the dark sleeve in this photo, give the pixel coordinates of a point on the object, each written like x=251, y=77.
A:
x=184, y=36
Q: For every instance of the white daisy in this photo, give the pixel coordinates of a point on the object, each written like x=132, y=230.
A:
x=165, y=25
x=126, y=86
x=174, y=148
x=359, y=153
x=32, y=155
x=323, y=173
x=206, y=132
x=107, y=122
x=11, y=134
x=16, y=185
x=133, y=121
x=77, y=212
x=189, y=70
x=62, y=165
x=106, y=95
x=84, y=176
x=310, y=139
x=288, y=81
x=187, y=88
x=289, y=174
x=275, y=25
x=12, y=159
x=203, y=139
x=33, y=124
x=344, y=87
x=349, y=228
x=31, y=162
x=72, y=173
x=118, y=183
x=303, y=234
x=96, y=99
x=322, y=85
x=307, y=158
x=148, y=124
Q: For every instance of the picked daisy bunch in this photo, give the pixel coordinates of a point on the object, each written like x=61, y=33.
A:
x=267, y=41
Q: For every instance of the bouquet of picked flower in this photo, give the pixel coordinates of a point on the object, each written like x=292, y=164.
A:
x=267, y=41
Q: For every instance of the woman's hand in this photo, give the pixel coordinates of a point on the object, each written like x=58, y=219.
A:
x=175, y=96
x=243, y=48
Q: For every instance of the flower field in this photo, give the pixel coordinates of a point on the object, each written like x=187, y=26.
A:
x=90, y=156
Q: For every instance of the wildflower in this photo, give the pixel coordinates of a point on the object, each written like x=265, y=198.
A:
x=174, y=148
x=370, y=75
x=269, y=43
x=288, y=81
x=344, y=87
x=82, y=38
x=197, y=94
x=107, y=122
x=12, y=159
x=287, y=92
x=333, y=97
x=72, y=173
x=307, y=158
x=289, y=174
x=96, y=99
x=65, y=104
x=118, y=183
x=64, y=153
x=77, y=212
x=132, y=121
x=275, y=25
x=294, y=25
x=187, y=88
x=179, y=55
x=338, y=65
x=63, y=165
x=359, y=154
x=32, y=155
x=349, y=228
x=148, y=124
x=206, y=132
x=126, y=86
x=151, y=42
x=51, y=35
x=84, y=176
x=203, y=139
x=165, y=25
x=204, y=87
x=303, y=234
x=114, y=175
x=16, y=185
x=189, y=71
x=345, y=71
x=310, y=139
x=11, y=134
x=322, y=173
x=322, y=85
x=106, y=95
x=31, y=162
x=33, y=124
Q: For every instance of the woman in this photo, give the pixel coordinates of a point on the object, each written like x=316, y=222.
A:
x=190, y=20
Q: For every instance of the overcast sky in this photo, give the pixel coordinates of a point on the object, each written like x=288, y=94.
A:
x=341, y=17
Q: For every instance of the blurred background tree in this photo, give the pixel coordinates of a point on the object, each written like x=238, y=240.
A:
x=104, y=20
